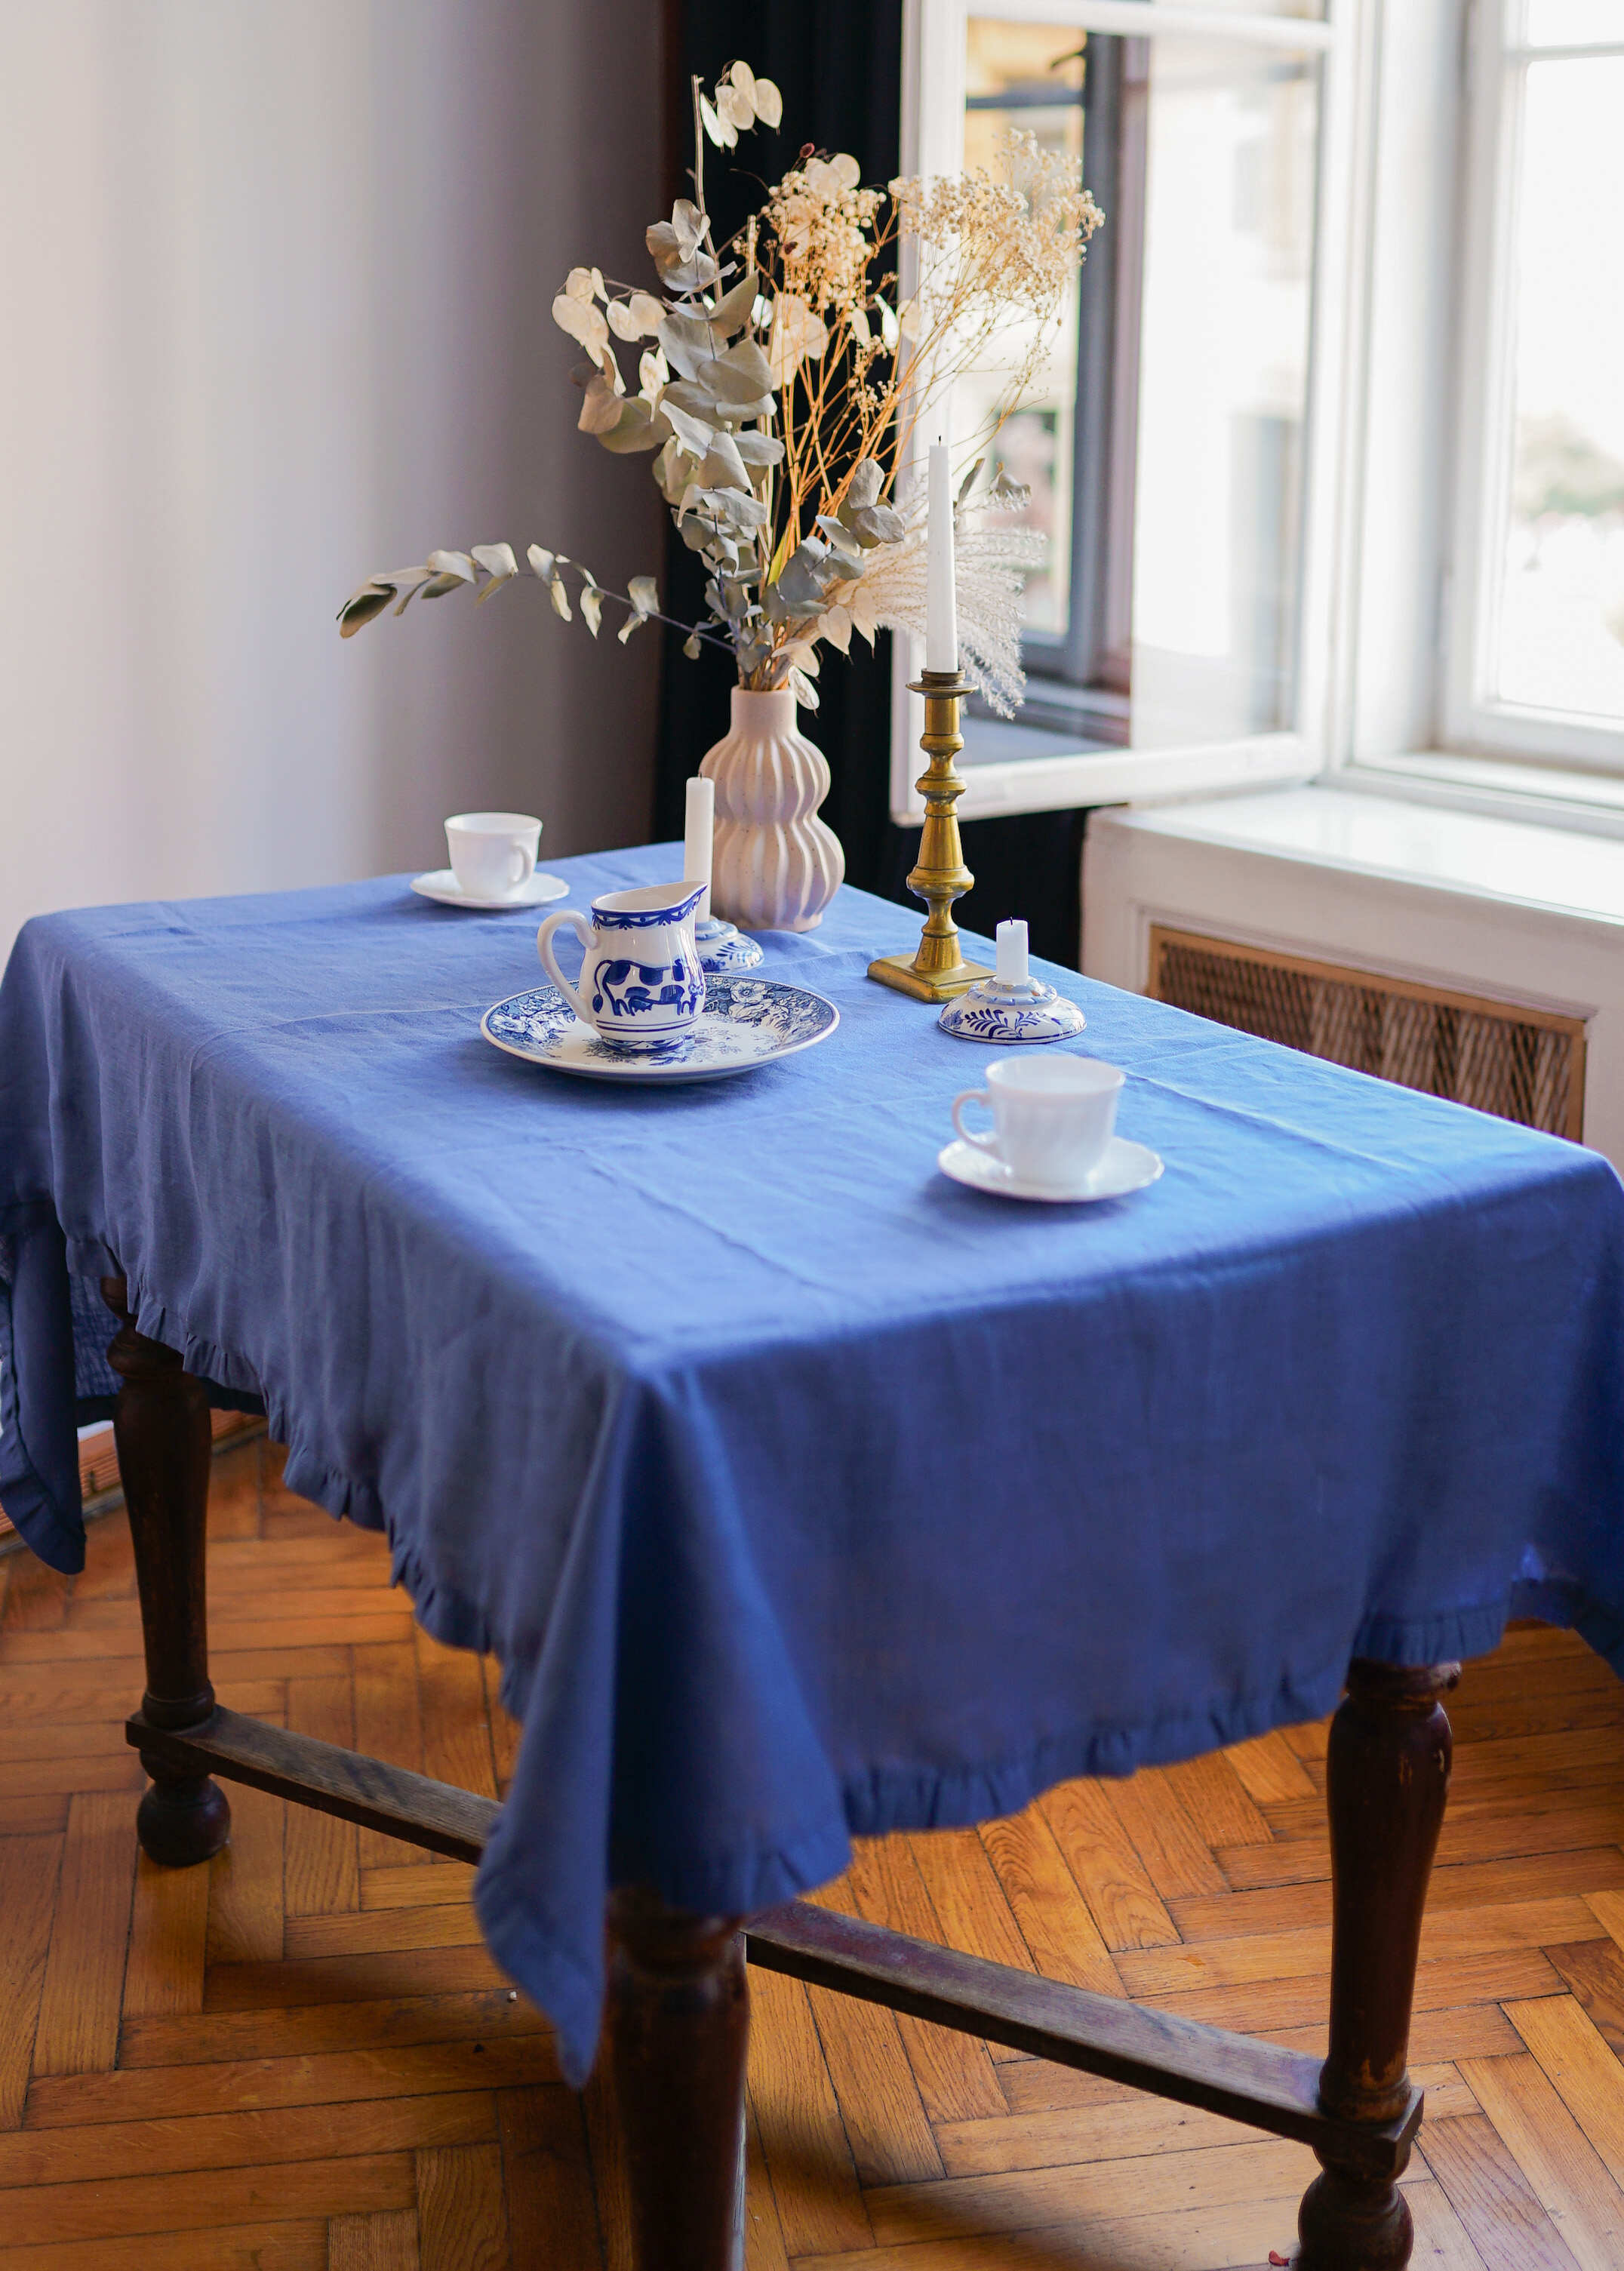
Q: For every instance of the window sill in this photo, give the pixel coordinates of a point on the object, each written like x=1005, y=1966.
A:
x=1538, y=796
x=1575, y=875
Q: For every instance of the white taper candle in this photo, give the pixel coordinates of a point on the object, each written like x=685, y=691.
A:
x=1012, y=967
x=699, y=826
x=941, y=603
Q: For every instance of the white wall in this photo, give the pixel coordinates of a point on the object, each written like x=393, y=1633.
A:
x=274, y=284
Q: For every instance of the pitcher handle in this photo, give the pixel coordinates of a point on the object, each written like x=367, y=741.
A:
x=569, y=919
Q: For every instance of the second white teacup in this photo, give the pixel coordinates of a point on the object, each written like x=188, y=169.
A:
x=493, y=853
x=1053, y=1117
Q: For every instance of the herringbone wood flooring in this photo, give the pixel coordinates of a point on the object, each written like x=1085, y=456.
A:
x=301, y=2057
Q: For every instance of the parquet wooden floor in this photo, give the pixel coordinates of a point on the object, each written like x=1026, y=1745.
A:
x=301, y=2057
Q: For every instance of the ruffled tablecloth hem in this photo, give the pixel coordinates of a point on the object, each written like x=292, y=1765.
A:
x=566, y=1981
x=900, y=1796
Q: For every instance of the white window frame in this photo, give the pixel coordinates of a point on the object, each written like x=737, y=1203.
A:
x=1496, y=57
x=934, y=55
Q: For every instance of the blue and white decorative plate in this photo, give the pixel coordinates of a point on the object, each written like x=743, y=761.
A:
x=745, y=1022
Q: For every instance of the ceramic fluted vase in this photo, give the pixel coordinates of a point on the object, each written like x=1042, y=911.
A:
x=776, y=865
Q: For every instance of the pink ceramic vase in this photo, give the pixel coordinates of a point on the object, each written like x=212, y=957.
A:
x=776, y=865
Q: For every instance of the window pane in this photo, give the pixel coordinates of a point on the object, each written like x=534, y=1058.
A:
x=1223, y=391
x=1030, y=76
x=1559, y=638
x=1570, y=22
x=1163, y=444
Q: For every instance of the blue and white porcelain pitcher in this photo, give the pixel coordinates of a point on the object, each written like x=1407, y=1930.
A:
x=641, y=985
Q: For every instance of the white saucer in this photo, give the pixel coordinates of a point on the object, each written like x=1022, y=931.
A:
x=1125, y=1167
x=442, y=885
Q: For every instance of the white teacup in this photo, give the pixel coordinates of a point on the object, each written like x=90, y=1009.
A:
x=1053, y=1117
x=494, y=853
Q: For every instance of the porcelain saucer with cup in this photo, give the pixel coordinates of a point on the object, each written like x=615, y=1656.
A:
x=1053, y=1135
x=493, y=864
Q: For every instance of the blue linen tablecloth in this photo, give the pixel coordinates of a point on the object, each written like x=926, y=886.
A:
x=800, y=1491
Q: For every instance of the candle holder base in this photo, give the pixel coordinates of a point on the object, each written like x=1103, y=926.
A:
x=723, y=950
x=996, y=1011
x=899, y=970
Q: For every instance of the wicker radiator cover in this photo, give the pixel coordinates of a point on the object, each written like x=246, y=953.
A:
x=1522, y=1064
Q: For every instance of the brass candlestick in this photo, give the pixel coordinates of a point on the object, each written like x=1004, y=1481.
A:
x=938, y=970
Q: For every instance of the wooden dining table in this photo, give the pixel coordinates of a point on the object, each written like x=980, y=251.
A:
x=802, y=1494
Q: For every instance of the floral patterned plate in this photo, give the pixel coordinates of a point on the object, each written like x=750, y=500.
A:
x=745, y=1022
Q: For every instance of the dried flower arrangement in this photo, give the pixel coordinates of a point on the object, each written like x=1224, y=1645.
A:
x=782, y=382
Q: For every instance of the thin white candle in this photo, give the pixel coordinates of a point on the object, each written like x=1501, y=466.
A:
x=941, y=603
x=1012, y=967
x=699, y=828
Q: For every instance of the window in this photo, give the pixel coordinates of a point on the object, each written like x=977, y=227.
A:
x=1536, y=608
x=1167, y=448
x=1332, y=460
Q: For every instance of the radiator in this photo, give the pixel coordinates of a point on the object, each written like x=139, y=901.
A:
x=1522, y=1064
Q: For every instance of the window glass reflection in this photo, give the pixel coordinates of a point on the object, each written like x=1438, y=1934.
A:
x=1030, y=76
x=1556, y=638
x=1163, y=446
x=1569, y=23
x=1223, y=389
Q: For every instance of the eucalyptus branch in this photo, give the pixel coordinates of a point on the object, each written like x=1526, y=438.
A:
x=654, y=615
x=488, y=567
x=698, y=165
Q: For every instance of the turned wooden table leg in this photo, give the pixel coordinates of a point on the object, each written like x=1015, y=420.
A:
x=675, y=2031
x=160, y=1427
x=1386, y=1777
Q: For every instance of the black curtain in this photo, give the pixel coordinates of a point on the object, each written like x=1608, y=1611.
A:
x=838, y=66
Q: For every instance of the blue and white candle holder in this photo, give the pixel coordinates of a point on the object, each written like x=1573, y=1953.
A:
x=723, y=950
x=1012, y=1005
